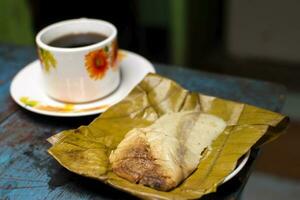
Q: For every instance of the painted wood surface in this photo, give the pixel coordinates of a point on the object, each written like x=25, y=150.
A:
x=28, y=172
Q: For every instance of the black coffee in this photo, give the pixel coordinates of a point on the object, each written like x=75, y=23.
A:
x=77, y=40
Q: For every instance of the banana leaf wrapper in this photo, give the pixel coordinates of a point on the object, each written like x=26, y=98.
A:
x=85, y=151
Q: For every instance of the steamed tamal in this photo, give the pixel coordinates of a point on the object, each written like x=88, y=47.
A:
x=168, y=151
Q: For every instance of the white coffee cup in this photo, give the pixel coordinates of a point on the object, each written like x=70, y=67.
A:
x=79, y=74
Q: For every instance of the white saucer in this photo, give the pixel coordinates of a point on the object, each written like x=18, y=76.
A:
x=26, y=89
x=238, y=168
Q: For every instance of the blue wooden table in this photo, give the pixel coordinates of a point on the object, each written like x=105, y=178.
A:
x=28, y=172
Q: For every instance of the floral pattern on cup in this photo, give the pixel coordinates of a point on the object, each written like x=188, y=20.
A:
x=47, y=59
x=96, y=63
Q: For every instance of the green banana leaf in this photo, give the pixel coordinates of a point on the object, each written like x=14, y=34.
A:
x=85, y=150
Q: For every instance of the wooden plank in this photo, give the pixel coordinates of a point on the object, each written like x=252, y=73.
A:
x=12, y=59
x=255, y=92
x=26, y=169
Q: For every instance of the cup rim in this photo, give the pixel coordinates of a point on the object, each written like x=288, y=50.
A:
x=43, y=45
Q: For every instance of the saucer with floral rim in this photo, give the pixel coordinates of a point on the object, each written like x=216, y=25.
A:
x=26, y=89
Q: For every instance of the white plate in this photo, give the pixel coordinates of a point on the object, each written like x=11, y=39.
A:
x=238, y=168
x=26, y=89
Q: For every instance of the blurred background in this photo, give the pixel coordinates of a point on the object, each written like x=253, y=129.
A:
x=257, y=39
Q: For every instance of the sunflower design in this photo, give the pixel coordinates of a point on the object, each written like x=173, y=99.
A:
x=96, y=63
x=47, y=59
